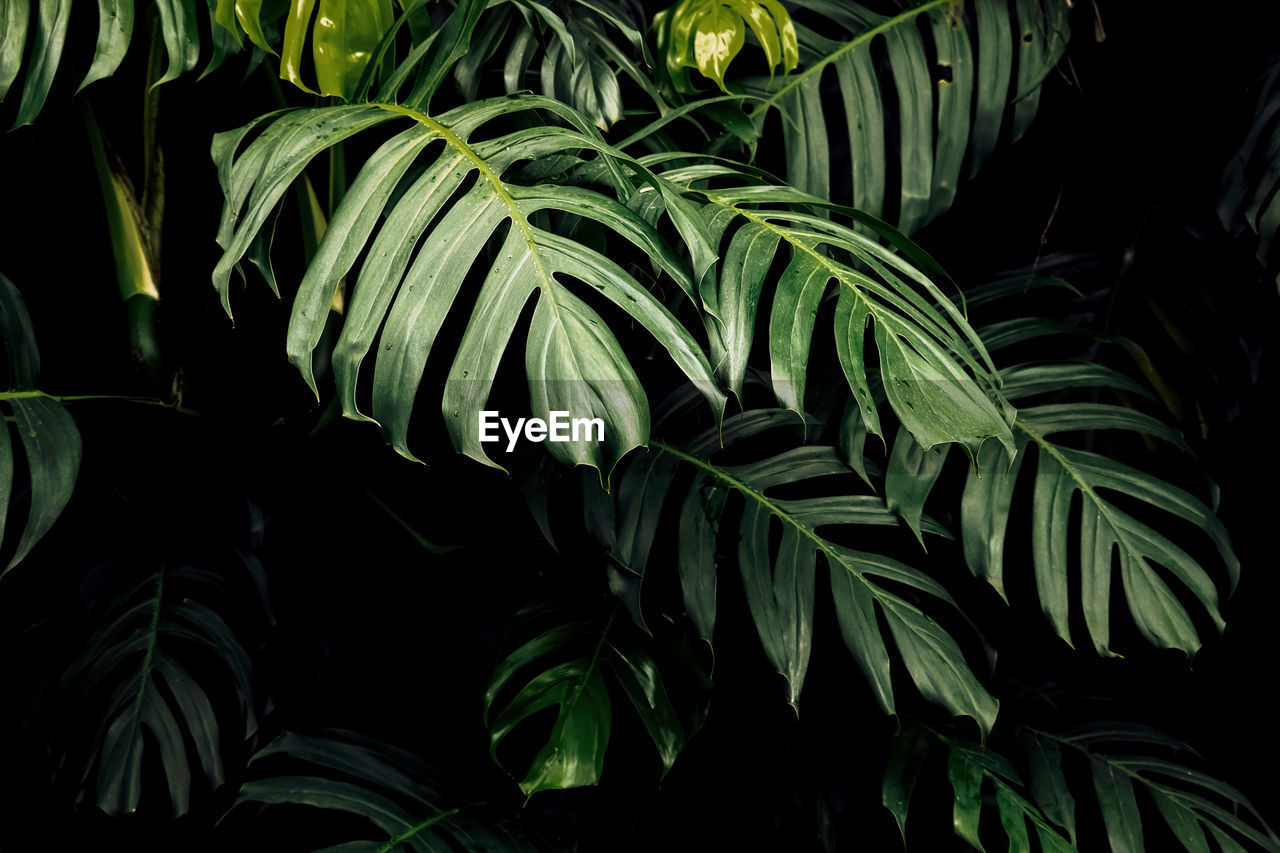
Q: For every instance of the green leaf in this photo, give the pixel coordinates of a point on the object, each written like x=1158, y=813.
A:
x=297, y=23
x=708, y=34
x=14, y=20
x=576, y=51
x=130, y=246
x=344, y=37
x=1119, y=807
x=389, y=788
x=638, y=674
x=46, y=431
x=966, y=783
x=115, y=28
x=180, y=29
x=530, y=681
x=934, y=370
x=971, y=770
x=946, y=111
x=1013, y=817
x=1188, y=801
x=1048, y=784
x=906, y=756
x=249, y=14
x=910, y=477
x=780, y=584
x=573, y=360
x=1064, y=474
x=52, y=446
x=50, y=35
x=224, y=15
x=156, y=702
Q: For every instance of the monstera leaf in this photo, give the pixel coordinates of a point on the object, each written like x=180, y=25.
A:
x=564, y=666
x=1067, y=475
x=934, y=369
x=385, y=786
x=1062, y=474
x=143, y=681
x=575, y=51
x=436, y=222
x=972, y=770
x=1193, y=805
x=344, y=37
x=46, y=432
x=948, y=103
x=780, y=584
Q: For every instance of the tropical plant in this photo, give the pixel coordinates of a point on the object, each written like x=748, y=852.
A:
x=734, y=239
x=46, y=432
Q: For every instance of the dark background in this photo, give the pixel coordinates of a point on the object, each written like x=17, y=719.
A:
x=1114, y=187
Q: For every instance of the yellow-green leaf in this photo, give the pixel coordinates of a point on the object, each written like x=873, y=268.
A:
x=708, y=34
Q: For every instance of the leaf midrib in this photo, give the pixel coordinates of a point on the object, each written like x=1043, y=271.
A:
x=153, y=639
x=839, y=273
x=500, y=190
x=394, y=843
x=755, y=494
x=798, y=78
x=1082, y=486
x=1176, y=793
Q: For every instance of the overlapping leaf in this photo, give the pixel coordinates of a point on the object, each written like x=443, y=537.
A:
x=934, y=370
x=581, y=51
x=951, y=89
x=564, y=667
x=44, y=25
x=345, y=35
x=46, y=433
x=385, y=786
x=147, y=691
x=1064, y=473
x=1193, y=805
x=435, y=223
x=1066, y=476
x=780, y=584
x=972, y=771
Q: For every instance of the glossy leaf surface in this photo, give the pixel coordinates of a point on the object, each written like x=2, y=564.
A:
x=948, y=112
x=934, y=370
x=431, y=231
x=708, y=34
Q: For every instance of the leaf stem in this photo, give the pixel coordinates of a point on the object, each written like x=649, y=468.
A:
x=394, y=843
x=73, y=398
